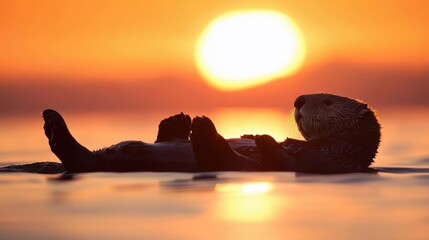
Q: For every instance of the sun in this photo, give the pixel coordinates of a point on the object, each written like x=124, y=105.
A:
x=244, y=49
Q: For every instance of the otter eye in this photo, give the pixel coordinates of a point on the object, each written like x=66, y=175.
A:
x=327, y=102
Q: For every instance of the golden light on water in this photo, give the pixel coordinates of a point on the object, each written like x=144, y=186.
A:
x=246, y=202
x=248, y=48
x=245, y=188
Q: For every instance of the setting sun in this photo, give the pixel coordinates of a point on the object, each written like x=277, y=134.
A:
x=248, y=48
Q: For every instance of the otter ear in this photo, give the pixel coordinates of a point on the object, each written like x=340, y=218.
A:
x=364, y=109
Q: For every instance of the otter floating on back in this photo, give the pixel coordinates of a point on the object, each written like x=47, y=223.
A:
x=342, y=135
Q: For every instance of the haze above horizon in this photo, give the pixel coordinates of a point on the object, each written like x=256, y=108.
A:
x=91, y=47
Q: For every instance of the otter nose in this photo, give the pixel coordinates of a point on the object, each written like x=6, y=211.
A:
x=299, y=102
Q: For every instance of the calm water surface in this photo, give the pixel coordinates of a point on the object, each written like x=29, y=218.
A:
x=393, y=204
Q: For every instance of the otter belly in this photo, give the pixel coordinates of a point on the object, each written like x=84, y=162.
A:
x=169, y=156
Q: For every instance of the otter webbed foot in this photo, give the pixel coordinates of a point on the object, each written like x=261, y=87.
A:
x=213, y=152
x=75, y=157
x=174, y=127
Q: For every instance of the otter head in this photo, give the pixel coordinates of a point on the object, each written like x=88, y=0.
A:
x=321, y=116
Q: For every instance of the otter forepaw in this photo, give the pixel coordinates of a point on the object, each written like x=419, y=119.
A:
x=248, y=136
x=174, y=127
x=266, y=142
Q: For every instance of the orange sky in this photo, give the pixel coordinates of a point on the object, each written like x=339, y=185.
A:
x=59, y=53
x=138, y=39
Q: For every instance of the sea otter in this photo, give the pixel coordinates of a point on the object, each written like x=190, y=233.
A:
x=342, y=135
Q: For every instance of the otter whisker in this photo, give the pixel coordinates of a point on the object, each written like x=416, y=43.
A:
x=292, y=126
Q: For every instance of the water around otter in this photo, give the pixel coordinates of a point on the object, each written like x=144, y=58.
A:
x=231, y=205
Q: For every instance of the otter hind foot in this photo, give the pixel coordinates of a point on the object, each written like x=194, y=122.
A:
x=210, y=149
x=75, y=157
x=213, y=152
x=174, y=127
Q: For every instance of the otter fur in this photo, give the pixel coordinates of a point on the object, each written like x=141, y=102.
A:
x=341, y=135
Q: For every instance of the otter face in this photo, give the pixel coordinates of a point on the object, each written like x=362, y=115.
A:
x=321, y=115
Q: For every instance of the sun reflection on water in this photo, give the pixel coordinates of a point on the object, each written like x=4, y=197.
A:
x=246, y=202
x=245, y=188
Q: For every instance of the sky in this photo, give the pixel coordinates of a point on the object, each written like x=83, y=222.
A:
x=88, y=55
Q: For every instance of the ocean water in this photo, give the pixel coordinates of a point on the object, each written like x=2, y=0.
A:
x=392, y=204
